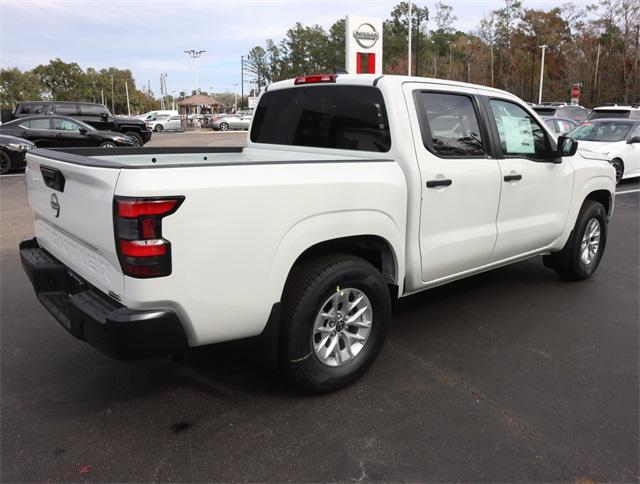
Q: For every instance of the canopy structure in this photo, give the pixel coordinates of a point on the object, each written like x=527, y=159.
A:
x=195, y=108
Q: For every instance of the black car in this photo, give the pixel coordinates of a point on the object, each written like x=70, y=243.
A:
x=61, y=132
x=12, y=152
x=96, y=115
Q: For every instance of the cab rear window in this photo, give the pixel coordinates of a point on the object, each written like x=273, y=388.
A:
x=341, y=117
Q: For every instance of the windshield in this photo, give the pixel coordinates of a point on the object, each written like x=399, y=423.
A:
x=342, y=117
x=607, y=131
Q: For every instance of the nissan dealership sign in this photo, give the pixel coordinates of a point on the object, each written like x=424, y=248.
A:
x=363, y=45
x=366, y=35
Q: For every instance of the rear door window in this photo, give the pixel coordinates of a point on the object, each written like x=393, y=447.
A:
x=41, y=123
x=449, y=125
x=342, y=117
x=67, y=109
x=92, y=110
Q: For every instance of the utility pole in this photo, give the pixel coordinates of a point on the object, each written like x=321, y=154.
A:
x=544, y=48
x=112, y=93
x=491, y=63
x=102, y=95
x=126, y=89
x=195, y=55
x=595, y=77
x=241, y=80
x=417, y=42
x=409, y=52
x=450, y=65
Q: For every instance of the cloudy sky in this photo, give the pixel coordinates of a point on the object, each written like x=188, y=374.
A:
x=149, y=36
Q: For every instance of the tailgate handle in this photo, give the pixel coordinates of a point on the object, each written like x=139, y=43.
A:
x=53, y=178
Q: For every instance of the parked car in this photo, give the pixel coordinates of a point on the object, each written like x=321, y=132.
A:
x=12, y=152
x=618, y=139
x=96, y=115
x=570, y=111
x=61, y=131
x=615, y=111
x=163, y=122
x=344, y=200
x=560, y=125
x=231, y=121
x=152, y=115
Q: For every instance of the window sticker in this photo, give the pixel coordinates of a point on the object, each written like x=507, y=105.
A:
x=519, y=136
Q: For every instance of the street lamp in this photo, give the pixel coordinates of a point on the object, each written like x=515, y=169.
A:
x=235, y=93
x=241, y=78
x=544, y=48
x=195, y=55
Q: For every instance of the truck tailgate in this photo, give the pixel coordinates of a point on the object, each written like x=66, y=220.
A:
x=73, y=212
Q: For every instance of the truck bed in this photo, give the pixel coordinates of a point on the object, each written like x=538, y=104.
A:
x=171, y=157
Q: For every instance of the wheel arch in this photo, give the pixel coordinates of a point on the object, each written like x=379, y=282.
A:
x=369, y=234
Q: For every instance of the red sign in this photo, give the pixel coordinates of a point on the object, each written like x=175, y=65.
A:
x=575, y=90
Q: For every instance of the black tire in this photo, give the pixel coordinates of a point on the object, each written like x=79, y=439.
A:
x=224, y=126
x=5, y=162
x=308, y=288
x=158, y=128
x=108, y=144
x=137, y=139
x=618, y=164
x=568, y=262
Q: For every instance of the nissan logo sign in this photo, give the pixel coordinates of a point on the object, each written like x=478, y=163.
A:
x=366, y=35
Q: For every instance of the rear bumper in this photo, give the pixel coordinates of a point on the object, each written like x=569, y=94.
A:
x=96, y=318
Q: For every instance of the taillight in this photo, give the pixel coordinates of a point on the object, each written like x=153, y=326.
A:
x=315, y=79
x=142, y=250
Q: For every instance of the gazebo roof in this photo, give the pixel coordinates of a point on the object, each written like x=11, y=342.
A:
x=198, y=100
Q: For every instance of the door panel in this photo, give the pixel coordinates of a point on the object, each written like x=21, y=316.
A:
x=460, y=182
x=536, y=193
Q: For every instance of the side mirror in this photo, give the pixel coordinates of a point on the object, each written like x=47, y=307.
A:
x=104, y=116
x=566, y=147
x=83, y=130
x=635, y=139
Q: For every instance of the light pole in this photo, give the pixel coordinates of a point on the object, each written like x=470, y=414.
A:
x=195, y=55
x=241, y=79
x=409, y=52
x=235, y=93
x=450, y=66
x=544, y=48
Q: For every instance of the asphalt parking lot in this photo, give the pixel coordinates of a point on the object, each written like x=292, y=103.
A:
x=512, y=375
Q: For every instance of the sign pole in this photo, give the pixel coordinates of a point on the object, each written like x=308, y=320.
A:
x=544, y=48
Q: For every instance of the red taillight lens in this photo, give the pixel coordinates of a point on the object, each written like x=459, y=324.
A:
x=315, y=79
x=143, y=248
x=136, y=207
x=138, y=230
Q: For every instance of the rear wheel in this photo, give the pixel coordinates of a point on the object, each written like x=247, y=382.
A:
x=335, y=315
x=137, y=139
x=582, y=253
x=108, y=144
x=5, y=162
x=619, y=166
x=224, y=126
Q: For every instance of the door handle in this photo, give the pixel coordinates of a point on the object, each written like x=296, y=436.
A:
x=509, y=178
x=442, y=182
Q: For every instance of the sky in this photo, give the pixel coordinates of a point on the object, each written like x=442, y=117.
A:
x=149, y=37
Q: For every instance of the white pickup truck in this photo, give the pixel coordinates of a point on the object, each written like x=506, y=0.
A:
x=353, y=191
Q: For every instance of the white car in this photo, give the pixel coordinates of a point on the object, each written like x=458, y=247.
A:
x=344, y=200
x=618, y=139
x=164, y=122
x=151, y=115
x=617, y=111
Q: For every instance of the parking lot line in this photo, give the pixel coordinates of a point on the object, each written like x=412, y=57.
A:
x=628, y=191
x=13, y=174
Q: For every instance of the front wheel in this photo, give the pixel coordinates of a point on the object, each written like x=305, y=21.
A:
x=335, y=315
x=137, y=139
x=224, y=126
x=582, y=253
x=108, y=144
x=158, y=128
x=5, y=162
x=619, y=167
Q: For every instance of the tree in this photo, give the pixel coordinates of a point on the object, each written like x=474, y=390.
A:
x=257, y=65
